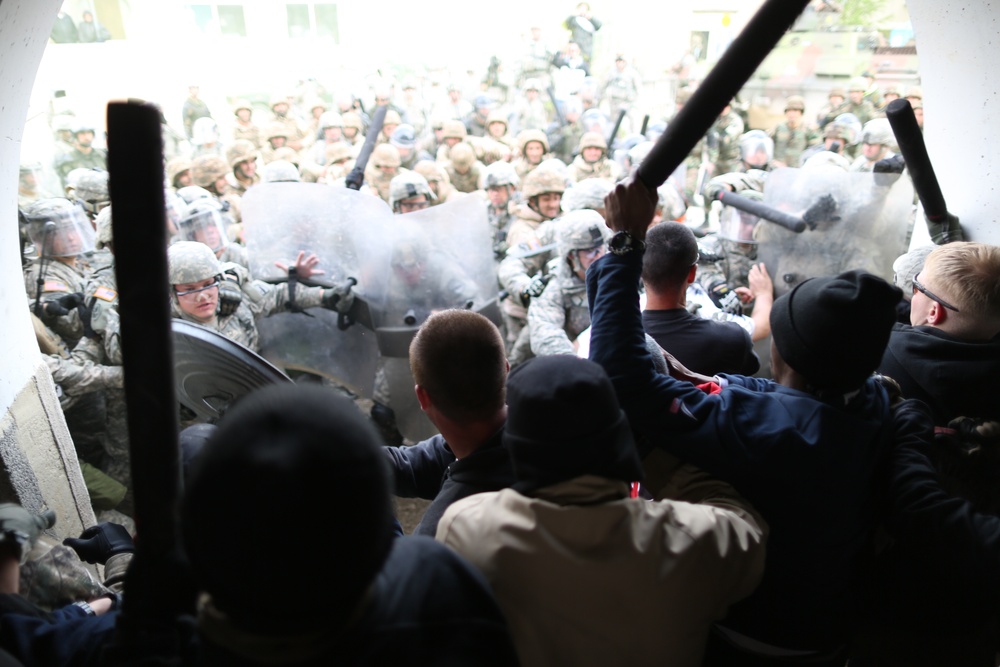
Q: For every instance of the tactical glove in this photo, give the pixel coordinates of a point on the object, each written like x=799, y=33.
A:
x=340, y=297
x=21, y=528
x=230, y=296
x=62, y=305
x=99, y=543
x=534, y=288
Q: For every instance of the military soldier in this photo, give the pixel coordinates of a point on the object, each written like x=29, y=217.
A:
x=727, y=257
x=497, y=129
x=196, y=275
x=537, y=59
x=83, y=155
x=205, y=221
x=242, y=157
x=354, y=130
x=621, y=87
x=475, y=123
x=453, y=132
x=565, y=139
x=855, y=104
x=500, y=182
x=383, y=166
x=179, y=173
x=245, y=128
x=331, y=127
x=728, y=129
x=55, y=279
x=391, y=121
x=405, y=140
x=437, y=179
x=592, y=161
x=529, y=111
x=791, y=137
x=29, y=188
x=295, y=134
x=408, y=192
x=533, y=146
x=463, y=168
x=561, y=313
x=193, y=109
x=210, y=172
x=877, y=140
x=835, y=98
x=524, y=277
x=836, y=138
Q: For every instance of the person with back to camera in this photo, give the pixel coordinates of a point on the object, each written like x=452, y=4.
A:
x=804, y=448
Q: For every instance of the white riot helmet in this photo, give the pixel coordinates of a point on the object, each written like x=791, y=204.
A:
x=59, y=228
x=205, y=223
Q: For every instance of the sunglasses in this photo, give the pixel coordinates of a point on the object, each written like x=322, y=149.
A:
x=918, y=287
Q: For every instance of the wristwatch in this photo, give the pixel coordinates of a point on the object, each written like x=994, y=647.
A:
x=623, y=243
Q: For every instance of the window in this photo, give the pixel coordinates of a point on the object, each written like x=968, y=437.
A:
x=226, y=20
x=307, y=20
x=231, y=21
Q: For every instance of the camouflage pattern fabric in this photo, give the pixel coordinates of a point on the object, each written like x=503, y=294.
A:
x=729, y=129
x=54, y=576
x=559, y=315
x=60, y=279
x=789, y=143
x=724, y=261
x=580, y=169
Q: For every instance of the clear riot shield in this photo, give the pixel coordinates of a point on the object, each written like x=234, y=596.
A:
x=867, y=228
x=348, y=231
x=440, y=258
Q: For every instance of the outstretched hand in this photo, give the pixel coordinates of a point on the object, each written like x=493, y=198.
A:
x=630, y=208
x=305, y=266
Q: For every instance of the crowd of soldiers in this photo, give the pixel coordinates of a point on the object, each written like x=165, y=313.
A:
x=541, y=166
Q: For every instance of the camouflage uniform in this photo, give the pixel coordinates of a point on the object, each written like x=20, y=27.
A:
x=75, y=159
x=61, y=279
x=529, y=231
x=581, y=170
x=789, y=143
x=621, y=88
x=864, y=111
x=728, y=128
x=722, y=261
x=556, y=317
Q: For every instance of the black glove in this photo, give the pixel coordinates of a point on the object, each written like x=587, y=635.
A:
x=890, y=165
x=62, y=305
x=339, y=297
x=99, y=543
x=230, y=297
x=533, y=288
x=823, y=209
x=725, y=298
x=21, y=528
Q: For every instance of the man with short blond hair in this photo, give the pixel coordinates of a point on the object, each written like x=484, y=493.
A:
x=459, y=366
x=951, y=348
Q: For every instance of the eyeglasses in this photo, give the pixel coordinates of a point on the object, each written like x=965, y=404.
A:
x=917, y=287
x=214, y=283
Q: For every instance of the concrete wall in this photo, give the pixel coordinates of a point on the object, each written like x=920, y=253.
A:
x=40, y=468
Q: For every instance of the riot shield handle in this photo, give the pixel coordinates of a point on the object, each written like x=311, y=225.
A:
x=737, y=64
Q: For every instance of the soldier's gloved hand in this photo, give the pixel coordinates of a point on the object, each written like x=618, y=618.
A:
x=534, y=288
x=890, y=165
x=62, y=305
x=21, y=528
x=230, y=296
x=340, y=297
x=99, y=543
x=725, y=298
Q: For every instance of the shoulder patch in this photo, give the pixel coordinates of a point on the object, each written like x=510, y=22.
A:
x=55, y=286
x=105, y=294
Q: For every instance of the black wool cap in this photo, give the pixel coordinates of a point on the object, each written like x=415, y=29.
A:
x=564, y=421
x=833, y=330
x=293, y=475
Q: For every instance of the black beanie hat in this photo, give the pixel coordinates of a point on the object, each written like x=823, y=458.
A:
x=833, y=330
x=293, y=477
x=563, y=421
